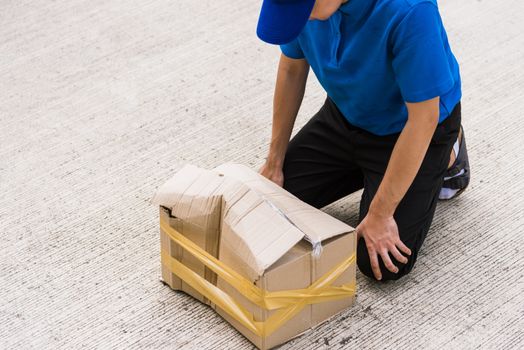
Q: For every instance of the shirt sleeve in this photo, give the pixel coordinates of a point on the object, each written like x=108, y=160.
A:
x=420, y=60
x=292, y=49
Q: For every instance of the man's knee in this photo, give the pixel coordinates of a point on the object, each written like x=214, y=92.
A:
x=364, y=264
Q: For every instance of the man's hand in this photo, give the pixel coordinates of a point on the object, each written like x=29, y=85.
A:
x=378, y=228
x=274, y=173
x=381, y=236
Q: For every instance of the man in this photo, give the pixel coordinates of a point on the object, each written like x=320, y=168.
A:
x=391, y=123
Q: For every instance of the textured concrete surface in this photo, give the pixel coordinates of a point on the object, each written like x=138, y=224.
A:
x=102, y=100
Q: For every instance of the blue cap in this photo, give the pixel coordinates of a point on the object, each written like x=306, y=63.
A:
x=281, y=21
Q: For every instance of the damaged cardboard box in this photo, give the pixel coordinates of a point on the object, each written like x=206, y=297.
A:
x=268, y=263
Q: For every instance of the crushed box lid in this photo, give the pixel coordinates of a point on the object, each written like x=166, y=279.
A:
x=262, y=220
x=316, y=225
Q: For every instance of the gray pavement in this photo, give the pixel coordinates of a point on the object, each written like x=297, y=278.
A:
x=101, y=101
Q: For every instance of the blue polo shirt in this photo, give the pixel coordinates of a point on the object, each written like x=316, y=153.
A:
x=372, y=56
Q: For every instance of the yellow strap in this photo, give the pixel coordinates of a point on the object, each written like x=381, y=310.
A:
x=260, y=297
x=290, y=302
x=213, y=293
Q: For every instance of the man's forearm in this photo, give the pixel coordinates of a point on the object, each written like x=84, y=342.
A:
x=289, y=92
x=405, y=160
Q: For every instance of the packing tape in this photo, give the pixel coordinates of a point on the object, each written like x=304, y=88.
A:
x=286, y=303
x=317, y=245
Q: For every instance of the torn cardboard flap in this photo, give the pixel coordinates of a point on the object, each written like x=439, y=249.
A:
x=187, y=185
x=256, y=233
x=259, y=221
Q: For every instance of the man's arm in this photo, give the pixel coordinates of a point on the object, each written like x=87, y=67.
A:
x=289, y=92
x=378, y=227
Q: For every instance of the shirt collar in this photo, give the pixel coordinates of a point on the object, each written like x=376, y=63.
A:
x=356, y=9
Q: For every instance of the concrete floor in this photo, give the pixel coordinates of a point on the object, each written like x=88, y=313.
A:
x=102, y=100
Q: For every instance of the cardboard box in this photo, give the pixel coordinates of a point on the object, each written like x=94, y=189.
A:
x=279, y=248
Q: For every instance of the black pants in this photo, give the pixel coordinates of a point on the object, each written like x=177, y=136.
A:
x=329, y=158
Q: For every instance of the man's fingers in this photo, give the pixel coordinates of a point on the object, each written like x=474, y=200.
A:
x=397, y=255
x=387, y=261
x=373, y=259
x=403, y=247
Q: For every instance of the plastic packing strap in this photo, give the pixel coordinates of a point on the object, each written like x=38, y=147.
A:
x=285, y=303
x=317, y=245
